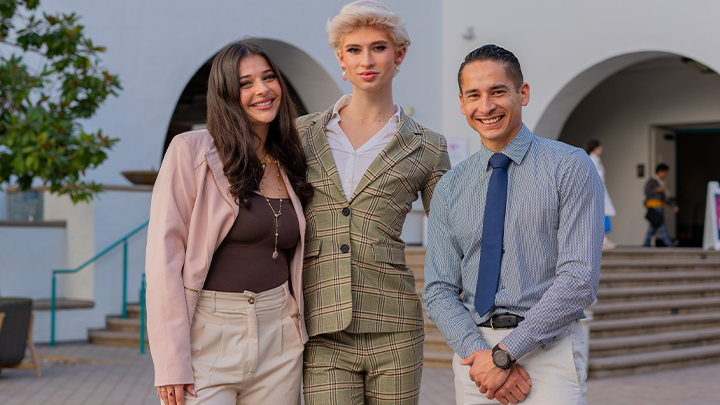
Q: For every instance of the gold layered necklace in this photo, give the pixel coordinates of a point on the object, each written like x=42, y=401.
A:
x=266, y=160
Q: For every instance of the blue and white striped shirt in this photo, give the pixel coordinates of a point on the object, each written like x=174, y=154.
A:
x=554, y=224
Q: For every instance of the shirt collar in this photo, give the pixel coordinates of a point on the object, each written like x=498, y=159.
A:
x=347, y=98
x=515, y=150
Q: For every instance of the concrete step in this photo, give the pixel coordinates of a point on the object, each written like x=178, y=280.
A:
x=416, y=265
x=133, y=310
x=649, y=265
x=414, y=252
x=118, y=324
x=115, y=338
x=653, y=361
x=657, y=292
x=434, y=359
x=608, y=280
x=654, y=342
x=659, y=253
x=436, y=342
x=637, y=309
x=419, y=282
x=418, y=253
x=653, y=324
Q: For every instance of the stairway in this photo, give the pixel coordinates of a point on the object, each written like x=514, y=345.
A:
x=119, y=331
x=656, y=309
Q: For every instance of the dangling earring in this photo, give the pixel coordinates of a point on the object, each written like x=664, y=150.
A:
x=344, y=74
x=397, y=69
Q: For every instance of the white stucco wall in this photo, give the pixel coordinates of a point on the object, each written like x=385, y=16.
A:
x=156, y=47
x=557, y=40
x=80, y=243
x=117, y=213
x=28, y=255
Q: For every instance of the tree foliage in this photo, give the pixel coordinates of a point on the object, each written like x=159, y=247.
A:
x=41, y=107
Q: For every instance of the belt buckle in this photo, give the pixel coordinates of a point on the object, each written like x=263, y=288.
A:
x=492, y=324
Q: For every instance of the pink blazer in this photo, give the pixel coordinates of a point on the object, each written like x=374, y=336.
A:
x=191, y=213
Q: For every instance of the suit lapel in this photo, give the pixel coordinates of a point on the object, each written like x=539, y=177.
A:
x=321, y=150
x=405, y=141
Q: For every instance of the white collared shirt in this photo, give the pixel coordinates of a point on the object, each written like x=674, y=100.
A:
x=352, y=164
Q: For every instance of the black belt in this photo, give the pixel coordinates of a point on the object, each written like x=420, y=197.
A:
x=501, y=321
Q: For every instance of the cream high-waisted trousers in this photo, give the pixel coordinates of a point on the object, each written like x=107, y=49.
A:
x=246, y=349
x=557, y=373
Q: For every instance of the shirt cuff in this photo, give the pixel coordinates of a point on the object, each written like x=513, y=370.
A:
x=478, y=344
x=518, y=343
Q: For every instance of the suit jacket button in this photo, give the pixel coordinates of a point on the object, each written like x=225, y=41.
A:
x=344, y=248
x=346, y=211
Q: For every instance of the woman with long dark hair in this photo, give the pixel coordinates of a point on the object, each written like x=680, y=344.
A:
x=225, y=244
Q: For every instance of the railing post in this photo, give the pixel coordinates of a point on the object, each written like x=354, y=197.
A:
x=52, y=312
x=53, y=299
x=142, y=315
x=124, y=292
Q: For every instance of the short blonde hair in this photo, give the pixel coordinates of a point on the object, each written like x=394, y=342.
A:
x=367, y=13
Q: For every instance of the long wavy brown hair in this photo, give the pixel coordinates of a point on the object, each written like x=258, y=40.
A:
x=230, y=128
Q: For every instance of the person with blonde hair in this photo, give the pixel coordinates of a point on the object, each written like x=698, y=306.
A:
x=367, y=162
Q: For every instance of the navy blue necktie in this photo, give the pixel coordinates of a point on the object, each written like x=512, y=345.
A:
x=491, y=247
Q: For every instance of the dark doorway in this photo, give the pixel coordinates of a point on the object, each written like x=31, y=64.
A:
x=697, y=164
x=191, y=109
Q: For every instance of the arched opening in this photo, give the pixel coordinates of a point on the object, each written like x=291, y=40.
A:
x=311, y=88
x=645, y=109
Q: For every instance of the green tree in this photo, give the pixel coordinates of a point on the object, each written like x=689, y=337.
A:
x=41, y=108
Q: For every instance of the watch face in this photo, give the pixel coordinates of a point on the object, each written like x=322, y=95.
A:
x=501, y=359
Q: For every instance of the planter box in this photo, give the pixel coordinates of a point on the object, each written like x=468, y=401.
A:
x=25, y=205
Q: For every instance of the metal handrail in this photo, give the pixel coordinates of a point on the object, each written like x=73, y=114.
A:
x=122, y=240
x=143, y=304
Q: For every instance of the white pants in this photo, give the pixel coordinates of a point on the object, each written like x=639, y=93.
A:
x=246, y=349
x=557, y=373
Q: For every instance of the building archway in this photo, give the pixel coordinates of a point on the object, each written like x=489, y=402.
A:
x=645, y=108
x=310, y=86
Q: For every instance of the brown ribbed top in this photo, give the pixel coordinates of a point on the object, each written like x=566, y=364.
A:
x=243, y=261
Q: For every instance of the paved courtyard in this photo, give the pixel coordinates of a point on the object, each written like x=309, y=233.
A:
x=76, y=374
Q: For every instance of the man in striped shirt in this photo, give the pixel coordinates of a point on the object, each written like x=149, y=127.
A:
x=514, y=246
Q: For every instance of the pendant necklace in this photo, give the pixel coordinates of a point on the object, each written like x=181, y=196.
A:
x=265, y=160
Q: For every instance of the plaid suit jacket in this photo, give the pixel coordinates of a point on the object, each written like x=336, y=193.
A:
x=355, y=277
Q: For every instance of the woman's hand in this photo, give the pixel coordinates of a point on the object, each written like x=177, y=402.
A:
x=173, y=394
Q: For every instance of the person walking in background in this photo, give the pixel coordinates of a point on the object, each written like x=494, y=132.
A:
x=657, y=197
x=225, y=245
x=514, y=249
x=367, y=161
x=594, y=150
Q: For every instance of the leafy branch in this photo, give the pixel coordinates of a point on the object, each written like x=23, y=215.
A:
x=40, y=111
